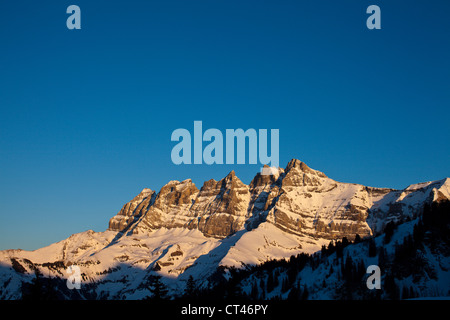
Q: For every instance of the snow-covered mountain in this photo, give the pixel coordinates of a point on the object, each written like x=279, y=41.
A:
x=183, y=231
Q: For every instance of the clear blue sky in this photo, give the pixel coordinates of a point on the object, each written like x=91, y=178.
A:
x=86, y=115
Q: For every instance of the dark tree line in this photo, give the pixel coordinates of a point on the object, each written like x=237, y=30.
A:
x=432, y=231
x=47, y=288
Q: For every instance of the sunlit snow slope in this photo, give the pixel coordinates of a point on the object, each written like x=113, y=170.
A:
x=184, y=231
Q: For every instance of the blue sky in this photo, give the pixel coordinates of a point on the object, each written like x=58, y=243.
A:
x=86, y=115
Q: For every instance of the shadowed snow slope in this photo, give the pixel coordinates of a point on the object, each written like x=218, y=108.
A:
x=184, y=231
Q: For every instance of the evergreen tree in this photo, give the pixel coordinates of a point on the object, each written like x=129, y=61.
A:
x=405, y=293
x=345, y=242
x=305, y=293
x=390, y=287
x=35, y=290
x=419, y=231
x=372, y=248
x=275, y=278
x=291, y=274
x=339, y=249
x=254, y=293
x=331, y=247
x=412, y=293
x=382, y=258
x=41, y=288
x=331, y=271
x=189, y=291
x=157, y=288
x=389, y=231
x=361, y=270
x=324, y=251
x=270, y=282
x=294, y=294
x=285, y=285
x=262, y=285
x=348, y=269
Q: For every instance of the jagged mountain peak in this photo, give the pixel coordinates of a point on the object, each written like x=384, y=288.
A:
x=146, y=191
x=175, y=185
x=208, y=184
x=295, y=170
x=230, y=175
x=302, y=167
x=143, y=194
x=231, y=181
x=176, y=193
x=264, y=180
x=298, y=174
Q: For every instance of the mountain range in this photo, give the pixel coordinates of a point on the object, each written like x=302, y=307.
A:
x=182, y=232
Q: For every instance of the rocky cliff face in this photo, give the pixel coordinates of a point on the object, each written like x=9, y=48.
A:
x=131, y=211
x=297, y=200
